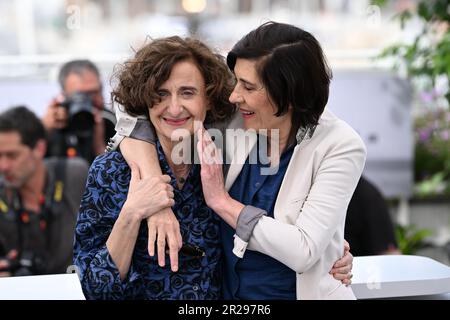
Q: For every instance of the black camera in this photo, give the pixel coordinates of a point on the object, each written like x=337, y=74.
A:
x=77, y=138
x=80, y=109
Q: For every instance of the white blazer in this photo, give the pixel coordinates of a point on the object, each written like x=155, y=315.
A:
x=307, y=231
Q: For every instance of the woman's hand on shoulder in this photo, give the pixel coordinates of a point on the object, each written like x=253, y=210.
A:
x=211, y=170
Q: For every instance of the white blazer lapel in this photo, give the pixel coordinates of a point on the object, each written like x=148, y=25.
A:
x=286, y=190
x=292, y=187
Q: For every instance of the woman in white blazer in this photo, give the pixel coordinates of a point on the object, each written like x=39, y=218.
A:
x=282, y=84
x=285, y=237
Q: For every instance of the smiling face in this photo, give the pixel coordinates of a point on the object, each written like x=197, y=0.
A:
x=183, y=101
x=253, y=100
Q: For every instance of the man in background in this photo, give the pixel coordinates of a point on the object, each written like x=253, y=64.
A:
x=75, y=119
x=39, y=199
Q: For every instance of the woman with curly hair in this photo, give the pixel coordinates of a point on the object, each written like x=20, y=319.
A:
x=115, y=219
x=176, y=83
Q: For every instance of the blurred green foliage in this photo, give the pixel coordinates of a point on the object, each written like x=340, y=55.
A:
x=426, y=61
x=432, y=154
x=410, y=239
x=428, y=56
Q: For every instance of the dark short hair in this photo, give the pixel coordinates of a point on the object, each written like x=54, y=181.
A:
x=78, y=67
x=292, y=68
x=139, y=78
x=23, y=121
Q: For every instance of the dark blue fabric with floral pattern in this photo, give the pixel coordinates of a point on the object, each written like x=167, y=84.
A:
x=106, y=192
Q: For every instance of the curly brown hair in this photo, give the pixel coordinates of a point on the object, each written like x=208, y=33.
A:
x=140, y=77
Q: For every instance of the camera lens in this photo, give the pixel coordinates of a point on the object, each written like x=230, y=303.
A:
x=82, y=123
x=81, y=117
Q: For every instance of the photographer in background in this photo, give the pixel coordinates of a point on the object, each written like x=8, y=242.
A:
x=39, y=198
x=77, y=123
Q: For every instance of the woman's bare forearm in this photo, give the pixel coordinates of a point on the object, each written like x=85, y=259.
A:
x=143, y=154
x=122, y=240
